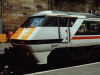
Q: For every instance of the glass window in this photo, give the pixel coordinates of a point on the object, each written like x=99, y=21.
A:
x=36, y=22
x=51, y=21
x=33, y=22
x=89, y=28
x=72, y=21
x=64, y=21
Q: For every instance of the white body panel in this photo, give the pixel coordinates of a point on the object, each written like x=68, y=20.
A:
x=41, y=57
x=48, y=33
x=86, y=42
x=35, y=33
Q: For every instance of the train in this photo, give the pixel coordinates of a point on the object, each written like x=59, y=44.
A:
x=52, y=36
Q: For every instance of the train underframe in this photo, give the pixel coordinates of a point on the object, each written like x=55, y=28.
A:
x=62, y=55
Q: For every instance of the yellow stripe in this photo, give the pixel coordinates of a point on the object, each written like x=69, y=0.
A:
x=23, y=33
x=26, y=33
x=17, y=33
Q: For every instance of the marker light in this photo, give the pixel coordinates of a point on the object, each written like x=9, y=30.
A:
x=21, y=41
x=28, y=54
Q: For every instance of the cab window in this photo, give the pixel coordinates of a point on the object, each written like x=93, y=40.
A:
x=33, y=21
x=63, y=21
x=51, y=21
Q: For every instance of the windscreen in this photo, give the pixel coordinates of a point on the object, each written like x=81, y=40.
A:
x=33, y=21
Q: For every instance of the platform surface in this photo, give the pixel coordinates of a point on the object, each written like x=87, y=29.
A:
x=88, y=69
x=3, y=46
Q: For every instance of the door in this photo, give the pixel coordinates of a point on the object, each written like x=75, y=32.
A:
x=64, y=29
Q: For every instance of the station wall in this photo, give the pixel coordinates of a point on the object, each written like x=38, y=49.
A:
x=15, y=12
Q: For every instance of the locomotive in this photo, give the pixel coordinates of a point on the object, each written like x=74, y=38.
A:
x=52, y=35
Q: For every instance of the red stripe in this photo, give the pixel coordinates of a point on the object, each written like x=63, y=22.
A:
x=88, y=37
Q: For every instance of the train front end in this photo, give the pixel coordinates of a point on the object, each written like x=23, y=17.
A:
x=25, y=39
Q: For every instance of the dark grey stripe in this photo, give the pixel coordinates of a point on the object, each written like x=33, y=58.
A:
x=47, y=41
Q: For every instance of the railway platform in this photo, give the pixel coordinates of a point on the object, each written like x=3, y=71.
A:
x=3, y=46
x=87, y=69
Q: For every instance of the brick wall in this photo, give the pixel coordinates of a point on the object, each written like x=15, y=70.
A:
x=15, y=12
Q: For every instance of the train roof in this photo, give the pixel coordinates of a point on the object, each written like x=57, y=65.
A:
x=65, y=13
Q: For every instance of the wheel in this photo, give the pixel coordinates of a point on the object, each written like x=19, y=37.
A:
x=81, y=53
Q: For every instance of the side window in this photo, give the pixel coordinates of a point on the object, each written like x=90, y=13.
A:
x=89, y=28
x=64, y=21
x=82, y=29
x=72, y=21
x=96, y=27
x=52, y=21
